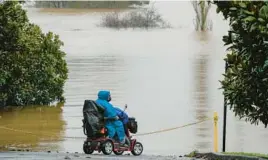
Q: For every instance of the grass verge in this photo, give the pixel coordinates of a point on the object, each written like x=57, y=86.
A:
x=192, y=154
x=247, y=154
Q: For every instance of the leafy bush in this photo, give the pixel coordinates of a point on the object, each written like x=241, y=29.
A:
x=246, y=80
x=33, y=69
x=140, y=18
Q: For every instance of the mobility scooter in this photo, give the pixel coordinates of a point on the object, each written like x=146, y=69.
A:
x=97, y=140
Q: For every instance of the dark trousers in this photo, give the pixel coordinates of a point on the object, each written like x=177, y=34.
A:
x=126, y=130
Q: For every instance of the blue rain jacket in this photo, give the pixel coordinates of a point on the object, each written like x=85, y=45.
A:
x=113, y=127
x=122, y=115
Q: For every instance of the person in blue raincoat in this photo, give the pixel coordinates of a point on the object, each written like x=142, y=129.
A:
x=113, y=124
x=124, y=118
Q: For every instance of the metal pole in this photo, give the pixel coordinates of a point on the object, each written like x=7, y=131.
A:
x=224, y=119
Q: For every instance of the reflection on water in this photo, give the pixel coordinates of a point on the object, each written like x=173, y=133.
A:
x=201, y=107
x=201, y=94
x=31, y=127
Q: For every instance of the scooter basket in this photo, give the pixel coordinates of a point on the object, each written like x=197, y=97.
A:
x=132, y=125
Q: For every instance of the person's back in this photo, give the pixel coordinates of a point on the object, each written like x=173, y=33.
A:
x=103, y=100
x=113, y=126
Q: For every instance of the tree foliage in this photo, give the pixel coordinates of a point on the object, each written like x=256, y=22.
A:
x=88, y=4
x=201, y=9
x=246, y=79
x=33, y=68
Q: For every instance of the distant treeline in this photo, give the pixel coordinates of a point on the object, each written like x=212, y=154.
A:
x=88, y=4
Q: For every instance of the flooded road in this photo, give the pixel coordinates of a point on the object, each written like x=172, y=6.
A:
x=78, y=156
x=168, y=78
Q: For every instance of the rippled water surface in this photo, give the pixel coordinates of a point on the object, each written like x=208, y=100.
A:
x=167, y=77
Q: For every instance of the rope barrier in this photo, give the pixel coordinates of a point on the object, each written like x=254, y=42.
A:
x=136, y=135
x=174, y=128
x=23, y=131
x=49, y=134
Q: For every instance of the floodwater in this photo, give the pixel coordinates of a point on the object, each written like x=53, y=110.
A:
x=168, y=78
x=32, y=128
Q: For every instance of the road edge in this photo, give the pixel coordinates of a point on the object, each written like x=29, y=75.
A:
x=220, y=156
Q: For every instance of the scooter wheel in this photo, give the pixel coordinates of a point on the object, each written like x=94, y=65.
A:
x=87, y=149
x=107, y=147
x=137, y=149
x=118, y=152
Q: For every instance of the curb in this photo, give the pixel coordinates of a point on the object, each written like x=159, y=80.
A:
x=220, y=156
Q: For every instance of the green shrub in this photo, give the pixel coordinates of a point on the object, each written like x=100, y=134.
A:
x=246, y=80
x=33, y=69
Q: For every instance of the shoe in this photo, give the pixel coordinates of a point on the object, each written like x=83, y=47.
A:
x=123, y=145
x=127, y=141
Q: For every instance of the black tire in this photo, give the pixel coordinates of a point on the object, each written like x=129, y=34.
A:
x=137, y=149
x=118, y=152
x=107, y=147
x=87, y=149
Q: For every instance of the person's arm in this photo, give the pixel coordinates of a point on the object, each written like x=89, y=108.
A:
x=111, y=118
x=119, y=112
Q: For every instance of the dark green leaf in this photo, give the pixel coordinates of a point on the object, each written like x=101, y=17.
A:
x=233, y=8
x=248, y=12
x=261, y=20
x=243, y=5
x=253, y=27
x=264, y=12
x=249, y=18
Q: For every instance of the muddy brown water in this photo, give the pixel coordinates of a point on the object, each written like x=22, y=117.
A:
x=168, y=78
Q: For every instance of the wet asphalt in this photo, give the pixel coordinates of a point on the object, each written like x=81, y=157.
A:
x=81, y=156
